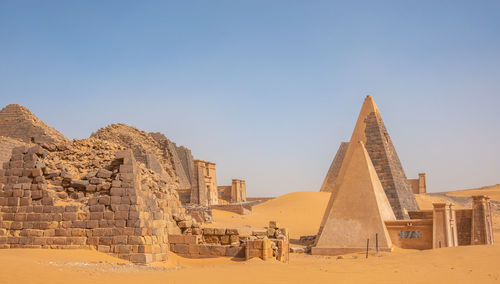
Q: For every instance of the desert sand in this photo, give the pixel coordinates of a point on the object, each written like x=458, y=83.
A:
x=301, y=212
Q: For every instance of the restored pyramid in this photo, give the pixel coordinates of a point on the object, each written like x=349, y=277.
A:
x=18, y=122
x=358, y=209
x=371, y=130
x=334, y=169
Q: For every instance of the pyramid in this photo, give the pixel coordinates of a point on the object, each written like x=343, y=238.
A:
x=18, y=122
x=357, y=211
x=334, y=169
x=371, y=130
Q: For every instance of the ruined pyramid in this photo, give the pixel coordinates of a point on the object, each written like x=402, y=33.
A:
x=371, y=130
x=18, y=122
x=358, y=209
x=88, y=193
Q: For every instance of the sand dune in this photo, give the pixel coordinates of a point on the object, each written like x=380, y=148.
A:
x=492, y=191
x=300, y=212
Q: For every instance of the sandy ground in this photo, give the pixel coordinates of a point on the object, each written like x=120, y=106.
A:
x=301, y=212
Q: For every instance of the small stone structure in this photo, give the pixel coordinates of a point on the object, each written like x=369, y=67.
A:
x=418, y=185
x=204, y=189
x=235, y=193
x=233, y=242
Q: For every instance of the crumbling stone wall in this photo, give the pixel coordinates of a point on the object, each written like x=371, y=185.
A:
x=145, y=148
x=114, y=209
x=6, y=146
x=233, y=242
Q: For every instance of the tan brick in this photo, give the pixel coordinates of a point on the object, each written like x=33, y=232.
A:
x=91, y=224
x=122, y=240
x=121, y=215
x=176, y=239
x=181, y=248
x=141, y=258
x=194, y=249
x=108, y=215
x=116, y=191
x=103, y=248
x=69, y=216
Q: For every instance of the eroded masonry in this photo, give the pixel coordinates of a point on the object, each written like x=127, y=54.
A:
x=117, y=191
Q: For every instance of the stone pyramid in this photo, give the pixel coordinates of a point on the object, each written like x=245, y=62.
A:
x=371, y=130
x=358, y=209
x=18, y=122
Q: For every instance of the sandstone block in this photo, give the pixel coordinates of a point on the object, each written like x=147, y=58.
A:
x=103, y=248
x=141, y=258
x=79, y=184
x=121, y=240
x=36, y=172
x=193, y=249
x=176, y=239
x=103, y=173
x=116, y=183
x=116, y=191
x=96, y=181
x=105, y=200
x=181, y=248
x=116, y=200
x=91, y=188
x=108, y=215
x=96, y=208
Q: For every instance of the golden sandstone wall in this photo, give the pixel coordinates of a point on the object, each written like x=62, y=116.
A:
x=125, y=218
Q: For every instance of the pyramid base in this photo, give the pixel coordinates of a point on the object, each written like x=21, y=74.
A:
x=340, y=251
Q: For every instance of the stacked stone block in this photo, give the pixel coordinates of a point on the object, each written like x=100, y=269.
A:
x=122, y=218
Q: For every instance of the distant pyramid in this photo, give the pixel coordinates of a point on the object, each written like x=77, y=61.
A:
x=17, y=121
x=371, y=130
x=357, y=211
x=334, y=169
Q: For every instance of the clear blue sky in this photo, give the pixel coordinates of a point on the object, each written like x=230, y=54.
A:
x=267, y=89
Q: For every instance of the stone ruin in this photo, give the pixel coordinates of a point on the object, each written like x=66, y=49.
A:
x=270, y=243
x=117, y=192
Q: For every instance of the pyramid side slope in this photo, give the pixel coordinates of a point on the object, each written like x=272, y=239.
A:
x=333, y=171
x=358, y=210
x=18, y=122
x=371, y=130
